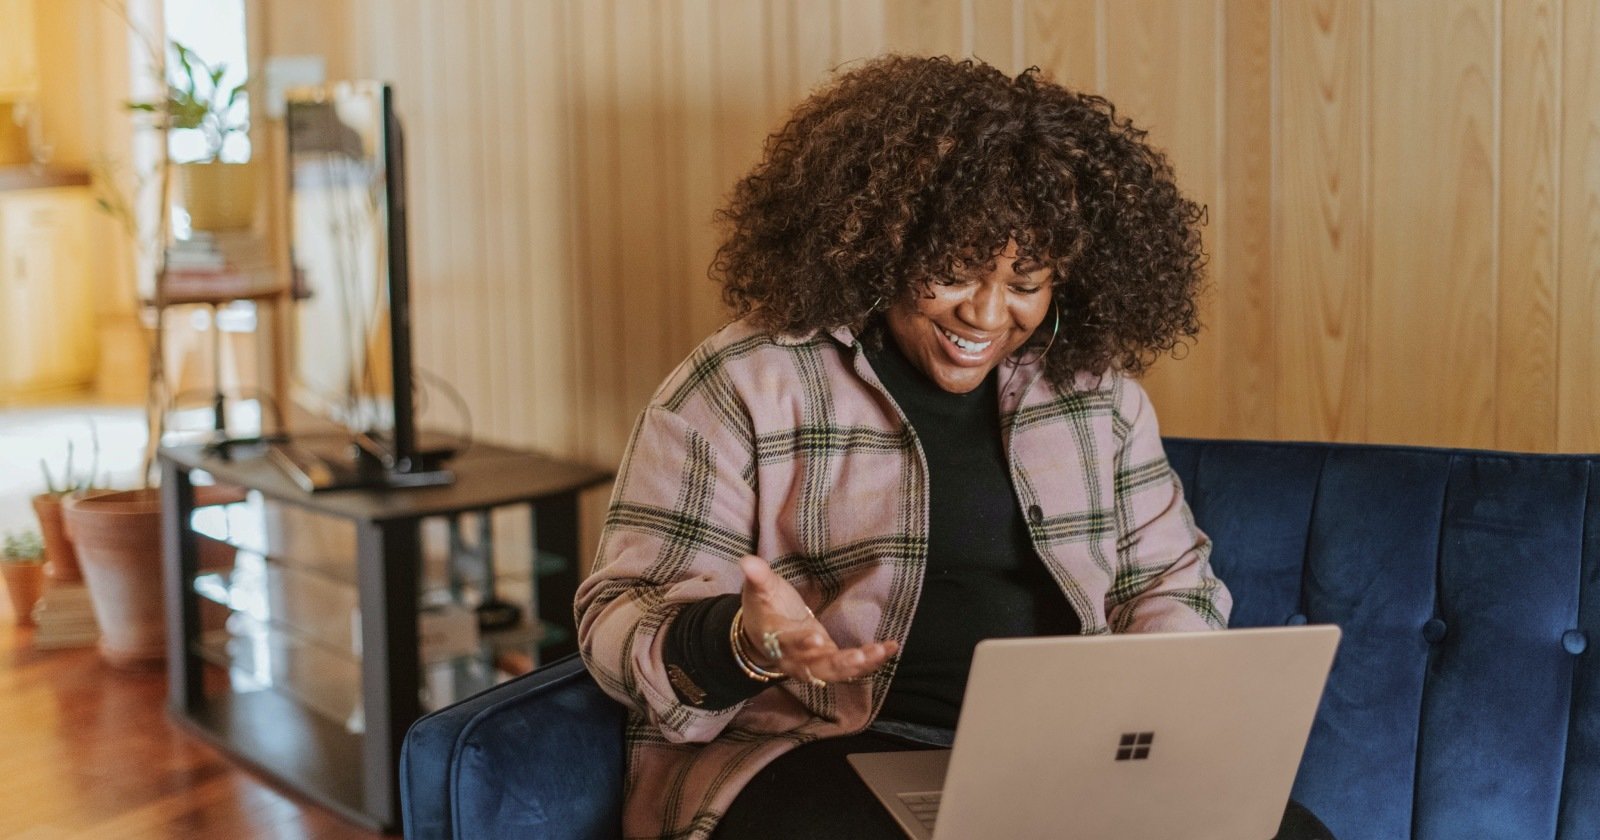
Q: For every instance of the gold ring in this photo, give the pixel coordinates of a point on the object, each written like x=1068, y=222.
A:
x=770, y=644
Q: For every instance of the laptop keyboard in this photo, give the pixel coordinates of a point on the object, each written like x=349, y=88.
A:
x=924, y=806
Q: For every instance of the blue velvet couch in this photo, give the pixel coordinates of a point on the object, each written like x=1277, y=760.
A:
x=1464, y=702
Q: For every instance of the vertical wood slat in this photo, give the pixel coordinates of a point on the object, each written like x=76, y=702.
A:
x=519, y=379
x=553, y=305
x=1320, y=237
x=670, y=162
x=636, y=231
x=923, y=27
x=1525, y=372
x=1164, y=75
x=416, y=103
x=993, y=33
x=490, y=280
x=597, y=160
x=814, y=51
x=452, y=263
x=1432, y=349
x=1243, y=221
x=740, y=104
x=1578, y=373
x=778, y=65
x=860, y=28
x=1060, y=38
x=701, y=191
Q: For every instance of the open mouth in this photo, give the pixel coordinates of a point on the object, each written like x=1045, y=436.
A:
x=965, y=345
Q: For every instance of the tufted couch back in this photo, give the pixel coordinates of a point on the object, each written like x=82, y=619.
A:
x=1464, y=702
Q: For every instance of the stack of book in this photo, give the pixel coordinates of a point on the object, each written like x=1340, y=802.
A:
x=208, y=253
x=64, y=617
x=214, y=266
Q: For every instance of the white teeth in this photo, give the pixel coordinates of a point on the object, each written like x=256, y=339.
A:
x=969, y=346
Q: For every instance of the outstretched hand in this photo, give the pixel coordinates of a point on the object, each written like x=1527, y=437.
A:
x=771, y=605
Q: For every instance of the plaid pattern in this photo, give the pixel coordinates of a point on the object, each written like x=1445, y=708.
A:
x=791, y=449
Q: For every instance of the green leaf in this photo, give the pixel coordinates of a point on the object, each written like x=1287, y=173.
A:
x=184, y=61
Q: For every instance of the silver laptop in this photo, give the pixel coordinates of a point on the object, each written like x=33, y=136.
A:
x=1139, y=737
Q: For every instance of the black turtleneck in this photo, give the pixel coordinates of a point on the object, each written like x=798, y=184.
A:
x=983, y=579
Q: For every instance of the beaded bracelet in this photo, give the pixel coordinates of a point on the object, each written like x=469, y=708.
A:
x=742, y=658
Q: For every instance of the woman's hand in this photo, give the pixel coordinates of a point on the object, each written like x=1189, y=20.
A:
x=771, y=605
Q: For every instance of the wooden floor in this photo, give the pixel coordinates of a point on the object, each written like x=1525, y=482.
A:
x=87, y=751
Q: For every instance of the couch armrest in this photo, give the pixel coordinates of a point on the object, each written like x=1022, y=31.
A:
x=538, y=756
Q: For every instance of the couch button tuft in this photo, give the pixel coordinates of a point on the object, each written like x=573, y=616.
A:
x=1295, y=620
x=1575, y=641
x=1434, y=630
x=1036, y=514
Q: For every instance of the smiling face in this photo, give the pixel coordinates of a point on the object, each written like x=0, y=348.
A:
x=957, y=332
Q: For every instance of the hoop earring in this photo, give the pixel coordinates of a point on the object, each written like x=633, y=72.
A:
x=1054, y=330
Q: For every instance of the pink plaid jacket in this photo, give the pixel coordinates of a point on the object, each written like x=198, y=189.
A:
x=790, y=448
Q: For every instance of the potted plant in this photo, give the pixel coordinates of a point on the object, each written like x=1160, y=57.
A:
x=61, y=556
x=217, y=195
x=118, y=538
x=22, y=563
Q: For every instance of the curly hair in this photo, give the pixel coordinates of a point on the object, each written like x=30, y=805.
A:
x=905, y=169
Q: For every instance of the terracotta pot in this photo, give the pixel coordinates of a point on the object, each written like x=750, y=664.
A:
x=23, y=583
x=62, y=559
x=219, y=196
x=118, y=537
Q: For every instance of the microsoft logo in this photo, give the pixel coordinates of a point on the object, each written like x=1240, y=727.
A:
x=1135, y=746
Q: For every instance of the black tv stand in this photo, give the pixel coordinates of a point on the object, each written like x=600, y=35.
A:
x=347, y=588
x=363, y=464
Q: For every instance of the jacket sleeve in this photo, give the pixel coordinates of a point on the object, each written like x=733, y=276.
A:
x=1164, y=580
x=681, y=516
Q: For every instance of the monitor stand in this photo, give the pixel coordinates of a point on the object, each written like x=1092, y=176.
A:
x=364, y=465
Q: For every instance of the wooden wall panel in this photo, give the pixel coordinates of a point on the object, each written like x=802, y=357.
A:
x=1525, y=372
x=925, y=26
x=1431, y=358
x=1578, y=373
x=697, y=187
x=1243, y=268
x=859, y=28
x=1063, y=38
x=1164, y=73
x=596, y=265
x=1404, y=196
x=551, y=378
x=640, y=299
x=1320, y=236
x=996, y=33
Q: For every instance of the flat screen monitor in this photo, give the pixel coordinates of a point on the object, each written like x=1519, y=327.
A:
x=350, y=358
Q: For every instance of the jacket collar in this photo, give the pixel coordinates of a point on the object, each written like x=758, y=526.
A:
x=1020, y=377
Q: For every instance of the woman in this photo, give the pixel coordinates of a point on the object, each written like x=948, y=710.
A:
x=921, y=432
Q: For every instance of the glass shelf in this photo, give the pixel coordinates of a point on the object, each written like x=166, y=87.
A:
x=326, y=545
x=298, y=632
x=299, y=538
x=257, y=659
x=300, y=603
